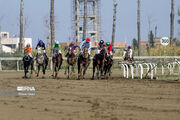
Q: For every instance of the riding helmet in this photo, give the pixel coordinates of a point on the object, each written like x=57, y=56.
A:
x=108, y=43
x=88, y=39
x=40, y=41
x=57, y=42
x=28, y=45
x=101, y=41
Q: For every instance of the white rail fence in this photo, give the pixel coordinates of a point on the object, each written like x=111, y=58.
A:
x=128, y=68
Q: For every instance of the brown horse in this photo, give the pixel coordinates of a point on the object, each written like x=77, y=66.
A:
x=57, y=62
x=83, y=63
x=71, y=61
x=98, y=61
x=107, y=66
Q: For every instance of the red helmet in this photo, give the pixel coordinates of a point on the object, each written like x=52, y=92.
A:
x=129, y=47
x=88, y=39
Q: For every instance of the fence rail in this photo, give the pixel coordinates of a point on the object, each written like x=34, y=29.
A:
x=18, y=59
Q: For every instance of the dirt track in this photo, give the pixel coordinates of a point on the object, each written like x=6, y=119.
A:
x=115, y=99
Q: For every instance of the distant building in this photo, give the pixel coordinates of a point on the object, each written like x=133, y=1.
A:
x=10, y=45
x=157, y=43
x=143, y=45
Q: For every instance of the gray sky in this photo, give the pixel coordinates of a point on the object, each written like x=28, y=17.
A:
x=36, y=10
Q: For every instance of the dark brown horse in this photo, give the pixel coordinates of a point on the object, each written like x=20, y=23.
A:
x=57, y=62
x=27, y=61
x=71, y=61
x=107, y=66
x=83, y=63
x=98, y=62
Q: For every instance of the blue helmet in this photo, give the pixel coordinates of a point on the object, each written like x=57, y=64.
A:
x=40, y=41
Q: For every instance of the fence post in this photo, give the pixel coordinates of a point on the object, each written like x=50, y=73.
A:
x=51, y=65
x=132, y=71
x=127, y=70
x=141, y=73
x=17, y=65
x=0, y=66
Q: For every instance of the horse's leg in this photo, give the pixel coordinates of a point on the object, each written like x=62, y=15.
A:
x=98, y=69
x=68, y=71
x=54, y=66
x=85, y=68
x=44, y=70
x=94, y=67
x=65, y=70
x=55, y=70
x=105, y=71
x=79, y=69
x=73, y=69
x=38, y=70
x=110, y=70
x=25, y=71
x=32, y=67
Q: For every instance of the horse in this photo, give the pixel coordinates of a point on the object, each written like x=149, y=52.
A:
x=41, y=62
x=57, y=62
x=71, y=61
x=83, y=62
x=107, y=66
x=127, y=57
x=27, y=61
x=98, y=61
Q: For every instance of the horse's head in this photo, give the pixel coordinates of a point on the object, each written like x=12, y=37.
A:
x=39, y=50
x=55, y=51
x=71, y=50
x=85, y=52
x=102, y=52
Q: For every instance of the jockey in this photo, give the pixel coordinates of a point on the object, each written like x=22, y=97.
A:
x=124, y=53
x=28, y=50
x=73, y=46
x=110, y=50
x=86, y=43
x=41, y=45
x=58, y=46
x=130, y=52
x=101, y=45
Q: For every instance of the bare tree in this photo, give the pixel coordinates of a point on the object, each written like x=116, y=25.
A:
x=21, y=29
x=138, y=29
x=85, y=19
x=114, y=23
x=172, y=23
x=52, y=26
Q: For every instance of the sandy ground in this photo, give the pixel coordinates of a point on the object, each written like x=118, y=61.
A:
x=113, y=99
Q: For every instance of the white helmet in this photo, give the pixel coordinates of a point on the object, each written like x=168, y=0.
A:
x=57, y=42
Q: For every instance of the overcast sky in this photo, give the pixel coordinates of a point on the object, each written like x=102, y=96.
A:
x=36, y=10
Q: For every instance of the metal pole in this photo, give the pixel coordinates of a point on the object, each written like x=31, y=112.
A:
x=17, y=65
x=0, y=66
